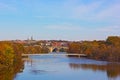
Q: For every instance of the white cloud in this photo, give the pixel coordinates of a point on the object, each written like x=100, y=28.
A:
x=113, y=11
x=63, y=27
x=47, y=16
x=110, y=29
x=71, y=9
x=86, y=10
x=97, y=10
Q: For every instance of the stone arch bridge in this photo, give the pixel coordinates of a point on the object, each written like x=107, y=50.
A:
x=52, y=48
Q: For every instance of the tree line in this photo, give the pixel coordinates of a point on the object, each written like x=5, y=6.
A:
x=108, y=50
x=10, y=59
x=35, y=49
x=10, y=53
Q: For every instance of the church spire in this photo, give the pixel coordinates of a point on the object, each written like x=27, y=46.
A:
x=31, y=38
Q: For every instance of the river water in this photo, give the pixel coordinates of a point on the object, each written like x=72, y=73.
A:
x=67, y=68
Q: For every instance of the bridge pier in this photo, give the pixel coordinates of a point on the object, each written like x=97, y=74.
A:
x=50, y=49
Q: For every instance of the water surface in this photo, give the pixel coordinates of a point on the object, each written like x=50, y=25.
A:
x=65, y=68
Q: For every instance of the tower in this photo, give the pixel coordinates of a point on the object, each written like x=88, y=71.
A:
x=31, y=38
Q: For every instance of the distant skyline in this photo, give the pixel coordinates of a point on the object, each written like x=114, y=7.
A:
x=59, y=19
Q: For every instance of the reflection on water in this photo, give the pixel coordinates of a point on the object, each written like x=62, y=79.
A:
x=61, y=68
x=112, y=70
x=8, y=73
x=64, y=68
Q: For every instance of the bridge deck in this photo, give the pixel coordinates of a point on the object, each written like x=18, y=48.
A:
x=82, y=55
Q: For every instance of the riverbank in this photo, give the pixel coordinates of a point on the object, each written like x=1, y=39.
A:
x=108, y=50
x=10, y=53
x=10, y=60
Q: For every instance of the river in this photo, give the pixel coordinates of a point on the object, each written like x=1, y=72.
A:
x=67, y=68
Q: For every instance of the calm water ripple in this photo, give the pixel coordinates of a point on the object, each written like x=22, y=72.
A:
x=64, y=68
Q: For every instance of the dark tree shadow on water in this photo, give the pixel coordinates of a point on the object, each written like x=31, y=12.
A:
x=9, y=73
x=112, y=69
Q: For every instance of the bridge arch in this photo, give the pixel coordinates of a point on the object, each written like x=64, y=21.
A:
x=57, y=49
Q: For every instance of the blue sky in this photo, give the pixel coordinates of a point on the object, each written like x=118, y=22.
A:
x=59, y=19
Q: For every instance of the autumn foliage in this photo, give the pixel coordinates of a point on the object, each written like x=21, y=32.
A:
x=108, y=50
x=10, y=53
